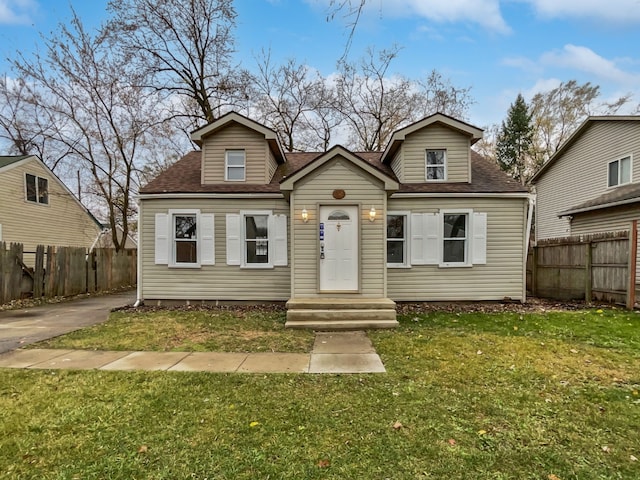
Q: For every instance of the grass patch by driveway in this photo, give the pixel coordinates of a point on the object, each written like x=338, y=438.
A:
x=549, y=396
x=219, y=330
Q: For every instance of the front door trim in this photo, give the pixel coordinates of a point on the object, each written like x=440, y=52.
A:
x=348, y=280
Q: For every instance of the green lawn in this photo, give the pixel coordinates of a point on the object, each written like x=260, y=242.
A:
x=467, y=396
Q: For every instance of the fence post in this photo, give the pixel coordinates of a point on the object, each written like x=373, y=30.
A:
x=588, y=274
x=633, y=250
x=38, y=273
x=534, y=271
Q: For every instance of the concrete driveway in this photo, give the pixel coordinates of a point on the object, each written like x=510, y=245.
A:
x=29, y=325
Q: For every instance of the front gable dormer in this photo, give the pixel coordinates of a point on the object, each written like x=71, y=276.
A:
x=435, y=149
x=236, y=149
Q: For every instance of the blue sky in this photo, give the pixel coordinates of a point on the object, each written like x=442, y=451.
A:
x=497, y=47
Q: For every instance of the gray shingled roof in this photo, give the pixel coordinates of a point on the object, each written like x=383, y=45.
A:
x=185, y=177
x=9, y=159
x=623, y=195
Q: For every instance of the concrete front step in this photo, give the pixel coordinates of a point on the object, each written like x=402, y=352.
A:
x=341, y=313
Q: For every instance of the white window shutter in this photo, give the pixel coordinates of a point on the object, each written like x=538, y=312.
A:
x=279, y=240
x=479, y=241
x=417, y=239
x=207, y=244
x=433, y=239
x=233, y=239
x=162, y=239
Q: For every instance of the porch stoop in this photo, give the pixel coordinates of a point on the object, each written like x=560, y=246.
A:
x=341, y=313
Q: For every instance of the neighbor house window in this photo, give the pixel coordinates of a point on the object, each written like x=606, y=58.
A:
x=185, y=239
x=397, y=239
x=620, y=171
x=235, y=165
x=436, y=168
x=37, y=189
x=256, y=239
x=455, y=238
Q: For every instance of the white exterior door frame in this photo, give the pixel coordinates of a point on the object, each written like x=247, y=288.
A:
x=339, y=248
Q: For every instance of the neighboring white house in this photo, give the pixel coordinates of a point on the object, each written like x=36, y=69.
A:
x=340, y=235
x=36, y=208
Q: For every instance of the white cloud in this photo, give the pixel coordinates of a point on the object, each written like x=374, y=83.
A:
x=585, y=60
x=16, y=11
x=616, y=11
x=485, y=13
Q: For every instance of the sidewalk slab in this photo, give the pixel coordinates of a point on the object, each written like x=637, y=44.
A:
x=346, y=363
x=343, y=342
x=275, y=363
x=210, y=362
x=26, y=358
x=146, y=361
x=82, y=360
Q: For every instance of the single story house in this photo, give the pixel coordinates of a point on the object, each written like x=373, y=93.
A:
x=339, y=235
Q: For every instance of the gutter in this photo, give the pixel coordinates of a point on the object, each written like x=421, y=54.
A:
x=531, y=206
x=139, y=299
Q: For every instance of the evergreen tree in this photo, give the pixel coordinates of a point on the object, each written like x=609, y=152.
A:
x=514, y=146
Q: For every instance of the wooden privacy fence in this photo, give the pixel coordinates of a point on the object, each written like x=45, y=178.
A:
x=598, y=267
x=63, y=271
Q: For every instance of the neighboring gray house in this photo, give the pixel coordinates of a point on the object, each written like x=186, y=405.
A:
x=592, y=183
x=340, y=235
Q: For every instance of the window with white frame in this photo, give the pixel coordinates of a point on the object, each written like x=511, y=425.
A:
x=235, y=165
x=184, y=239
x=397, y=227
x=37, y=189
x=455, y=240
x=436, y=165
x=256, y=239
x=620, y=171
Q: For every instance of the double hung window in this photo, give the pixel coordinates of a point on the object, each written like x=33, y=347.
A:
x=185, y=238
x=37, y=189
x=455, y=238
x=235, y=169
x=256, y=239
x=436, y=165
x=620, y=172
x=397, y=239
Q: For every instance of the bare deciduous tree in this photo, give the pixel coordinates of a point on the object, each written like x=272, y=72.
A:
x=105, y=118
x=186, y=47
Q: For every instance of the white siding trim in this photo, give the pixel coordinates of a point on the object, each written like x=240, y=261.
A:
x=162, y=239
x=233, y=239
x=207, y=234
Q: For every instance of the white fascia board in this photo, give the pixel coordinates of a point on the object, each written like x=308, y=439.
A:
x=463, y=195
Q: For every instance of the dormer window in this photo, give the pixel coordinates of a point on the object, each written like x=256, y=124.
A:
x=619, y=172
x=436, y=165
x=234, y=165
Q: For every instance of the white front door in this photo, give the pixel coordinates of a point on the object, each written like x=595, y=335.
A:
x=338, y=248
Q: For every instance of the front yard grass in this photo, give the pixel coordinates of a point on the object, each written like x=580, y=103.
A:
x=250, y=329
x=548, y=395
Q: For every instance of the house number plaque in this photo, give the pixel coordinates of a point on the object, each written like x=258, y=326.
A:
x=338, y=194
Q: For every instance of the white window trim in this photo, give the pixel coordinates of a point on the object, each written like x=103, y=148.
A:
x=468, y=237
x=407, y=239
x=426, y=165
x=619, y=159
x=172, y=240
x=243, y=235
x=227, y=166
x=26, y=190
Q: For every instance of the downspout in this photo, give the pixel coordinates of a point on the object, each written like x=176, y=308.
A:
x=139, y=299
x=531, y=206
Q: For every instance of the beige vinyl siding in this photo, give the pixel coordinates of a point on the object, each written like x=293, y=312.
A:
x=397, y=165
x=581, y=173
x=61, y=222
x=210, y=282
x=362, y=190
x=273, y=165
x=235, y=137
x=501, y=277
x=435, y=137
x=609, y=220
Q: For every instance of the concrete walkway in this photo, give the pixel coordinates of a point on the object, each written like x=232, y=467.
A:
x=333, y=352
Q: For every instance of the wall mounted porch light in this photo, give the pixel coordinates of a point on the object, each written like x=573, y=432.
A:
x=372, y=214
x=305, y=215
